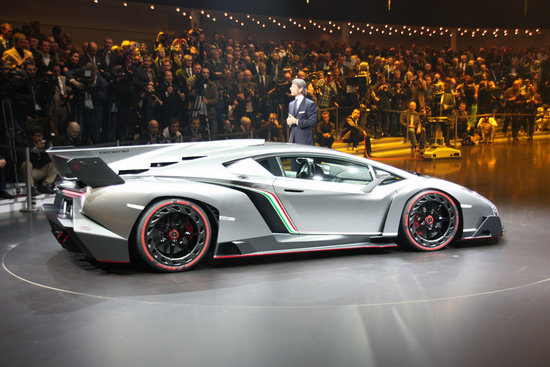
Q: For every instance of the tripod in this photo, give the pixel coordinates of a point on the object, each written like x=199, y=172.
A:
x=9, y=128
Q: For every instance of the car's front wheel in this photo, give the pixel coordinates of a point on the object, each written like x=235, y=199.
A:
x=173, y=235
x=430, y=221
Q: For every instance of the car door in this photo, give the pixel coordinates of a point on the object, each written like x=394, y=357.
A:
x=336, y=196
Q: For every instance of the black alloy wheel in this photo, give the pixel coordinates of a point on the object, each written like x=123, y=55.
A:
x=430, y=221
x=173, y=235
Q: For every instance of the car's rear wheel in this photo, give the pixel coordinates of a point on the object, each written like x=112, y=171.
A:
x=173, y=235
x=430, y=221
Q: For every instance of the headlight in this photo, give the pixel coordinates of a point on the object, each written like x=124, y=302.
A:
x=483, y=198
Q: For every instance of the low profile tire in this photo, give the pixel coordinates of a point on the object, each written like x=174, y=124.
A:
x=430, y=221
x=173, y=235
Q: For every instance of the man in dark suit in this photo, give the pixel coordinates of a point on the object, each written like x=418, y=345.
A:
x=143, y=75
x=107, y=59
x=91, y=55
x=302, y=114
x=265, y=88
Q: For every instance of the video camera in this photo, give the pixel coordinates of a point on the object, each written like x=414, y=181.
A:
x=356, y=84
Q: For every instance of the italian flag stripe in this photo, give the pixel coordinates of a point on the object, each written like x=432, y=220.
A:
x=274, y=200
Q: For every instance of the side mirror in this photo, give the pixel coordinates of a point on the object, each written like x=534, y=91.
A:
x=381, y=176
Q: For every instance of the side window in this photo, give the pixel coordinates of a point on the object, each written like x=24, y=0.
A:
x=325, y=169
x=248, y=166
x=272, y=165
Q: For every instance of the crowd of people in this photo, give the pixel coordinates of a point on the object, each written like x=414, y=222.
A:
x=193, y=87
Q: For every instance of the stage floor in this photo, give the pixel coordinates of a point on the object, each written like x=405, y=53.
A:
x=477, y=303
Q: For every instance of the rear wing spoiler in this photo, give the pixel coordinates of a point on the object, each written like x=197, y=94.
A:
x=93, y=172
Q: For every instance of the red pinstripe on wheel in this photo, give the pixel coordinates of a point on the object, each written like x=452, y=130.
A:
x=431, y=219
x=144, y=246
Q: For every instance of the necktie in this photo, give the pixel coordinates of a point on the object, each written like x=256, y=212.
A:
x=61, y=89
x=107, y=58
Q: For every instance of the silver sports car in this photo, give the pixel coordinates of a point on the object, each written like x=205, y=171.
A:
x=173, y=206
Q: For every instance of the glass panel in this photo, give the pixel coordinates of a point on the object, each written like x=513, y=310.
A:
x=325, y=169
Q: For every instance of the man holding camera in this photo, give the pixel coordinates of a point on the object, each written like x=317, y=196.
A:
x=90, y=96
x=43, y=171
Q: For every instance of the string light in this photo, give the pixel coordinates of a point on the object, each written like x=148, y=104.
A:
x=330, y=26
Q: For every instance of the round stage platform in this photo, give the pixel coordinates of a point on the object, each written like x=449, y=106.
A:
x=476, y=303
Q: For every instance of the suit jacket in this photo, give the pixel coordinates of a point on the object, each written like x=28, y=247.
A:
x=447, y=105
x=140, y=79
x=114, y=60
x=302, y=132
x=268, y=83
x=87, y=58
x=405, y=118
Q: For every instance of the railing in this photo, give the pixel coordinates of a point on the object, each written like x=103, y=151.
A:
x=337, y=112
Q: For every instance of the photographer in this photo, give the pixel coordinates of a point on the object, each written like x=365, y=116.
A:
x=119, y=114
x=90, y=95
x=325, y=131
x=384, y=93
x=271, y=130
x=398, y=103
x=206, y=99
x=107, y=58
x=43, y=171
x=31, y=96
x=59, y=107
x=173, y=99
x=142, y=76
x=149, y=104
x=326, y=91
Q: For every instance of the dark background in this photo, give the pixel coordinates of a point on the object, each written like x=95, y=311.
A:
x=458, y=13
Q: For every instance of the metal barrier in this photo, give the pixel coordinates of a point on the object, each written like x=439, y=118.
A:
x=338, y=112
